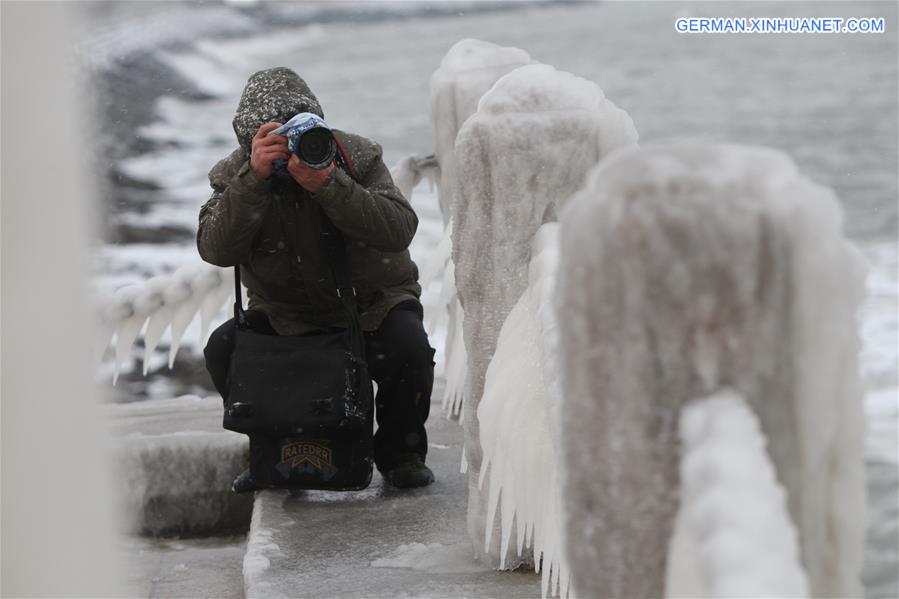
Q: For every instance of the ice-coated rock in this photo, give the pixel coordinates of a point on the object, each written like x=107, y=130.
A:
x=692, y=268
x=528, y=148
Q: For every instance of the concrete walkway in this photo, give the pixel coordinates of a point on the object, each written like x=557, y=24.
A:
x=380, y=542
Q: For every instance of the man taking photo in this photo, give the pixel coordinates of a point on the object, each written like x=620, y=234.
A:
x=267, y=220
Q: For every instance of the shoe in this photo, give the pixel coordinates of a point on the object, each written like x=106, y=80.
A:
x=410, y=473
x=244, y=483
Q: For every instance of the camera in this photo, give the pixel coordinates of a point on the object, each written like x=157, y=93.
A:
x=310, y=138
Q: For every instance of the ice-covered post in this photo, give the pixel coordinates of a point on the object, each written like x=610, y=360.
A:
x=692, y=270
x=467, y=71
x=535, y=135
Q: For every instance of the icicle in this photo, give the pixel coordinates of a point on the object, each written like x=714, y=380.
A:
x=545, y=581
x=159, y=322
x=456, y=365
x=149, y=301
x=106, y=325
x=438, y=260
x=212, y=303
x=493, y=496
x=199, y=282
x=128, y=327
x=446, y=298
x=521, y=532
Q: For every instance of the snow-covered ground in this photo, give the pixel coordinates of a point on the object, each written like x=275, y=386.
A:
x=828, y=101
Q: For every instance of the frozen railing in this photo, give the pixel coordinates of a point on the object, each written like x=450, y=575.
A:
x=552, y=464
x=163, y=302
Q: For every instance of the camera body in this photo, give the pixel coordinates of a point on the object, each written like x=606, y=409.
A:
x=310, y=138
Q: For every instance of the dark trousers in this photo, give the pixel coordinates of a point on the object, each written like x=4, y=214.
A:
x=400, y=360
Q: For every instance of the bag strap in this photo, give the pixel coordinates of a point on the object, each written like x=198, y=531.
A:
x=239, y=314
x=335, y=251
x=333, y=245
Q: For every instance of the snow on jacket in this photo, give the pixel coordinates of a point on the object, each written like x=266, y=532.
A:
x=271, y=227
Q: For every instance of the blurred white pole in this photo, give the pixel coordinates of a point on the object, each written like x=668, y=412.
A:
x=58, y=518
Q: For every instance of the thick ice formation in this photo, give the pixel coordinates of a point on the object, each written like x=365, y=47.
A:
x=467, y=71
x=693, y=268
x=181, y=482
x=520, y=464
x=175, y=466
x=433, y=268
x=536, y=134
x=456, y=364
x=448, y=312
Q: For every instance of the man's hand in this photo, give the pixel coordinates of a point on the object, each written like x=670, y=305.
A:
x=266, y=149
x=310, y=179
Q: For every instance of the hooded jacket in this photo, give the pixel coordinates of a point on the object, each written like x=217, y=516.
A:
x=271, y=227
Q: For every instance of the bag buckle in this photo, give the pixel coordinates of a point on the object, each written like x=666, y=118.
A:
x=340, y=293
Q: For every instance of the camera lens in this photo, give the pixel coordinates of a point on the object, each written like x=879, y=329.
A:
x=317, y=148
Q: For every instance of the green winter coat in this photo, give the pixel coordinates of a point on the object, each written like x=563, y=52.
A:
x=271, y=227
